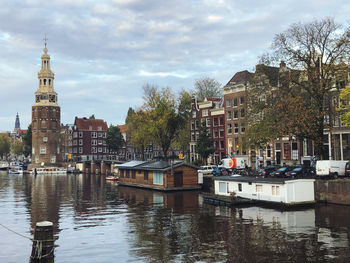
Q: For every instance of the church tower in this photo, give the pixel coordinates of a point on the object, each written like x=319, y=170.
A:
x=17, y=124
x=46, y=118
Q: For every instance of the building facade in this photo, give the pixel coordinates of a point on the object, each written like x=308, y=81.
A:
x=210, y=111
x=46, y=118
x=89, y=139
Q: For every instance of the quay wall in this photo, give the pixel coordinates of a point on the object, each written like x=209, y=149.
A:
x=333, y=191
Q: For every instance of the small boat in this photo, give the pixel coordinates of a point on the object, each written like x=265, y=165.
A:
x=4, y=165
x=16, y=170
x=49, y=170
x=111, y=178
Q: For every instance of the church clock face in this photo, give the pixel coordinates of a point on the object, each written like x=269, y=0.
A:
x=37, y=98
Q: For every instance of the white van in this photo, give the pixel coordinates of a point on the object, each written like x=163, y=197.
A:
x=330, y=168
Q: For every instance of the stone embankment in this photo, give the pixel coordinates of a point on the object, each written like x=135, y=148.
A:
x=333, y=191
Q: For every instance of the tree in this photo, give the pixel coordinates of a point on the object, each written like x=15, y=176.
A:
x=92, y=117
x=17, y=147
x=163, y=118
x=27, y=138
x=316, y=50
x=205, y=143
x=207, y=88
x=4, y=145
x=114, y=138
x=344, y=106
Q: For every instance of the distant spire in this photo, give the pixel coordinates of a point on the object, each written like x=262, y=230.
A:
x=17, y=124
x=45, y=43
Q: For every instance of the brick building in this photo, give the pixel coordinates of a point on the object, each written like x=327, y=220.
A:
x=210, y=111
x=89, y=139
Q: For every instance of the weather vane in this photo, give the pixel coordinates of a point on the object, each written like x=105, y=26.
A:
x=45, y=39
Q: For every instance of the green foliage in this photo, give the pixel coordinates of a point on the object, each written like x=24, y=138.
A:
x=92, y=117
x=17, y=147
x=114, y=138
x=205, y=143
x=207, y=88
x=28, y=141
x=4, y=144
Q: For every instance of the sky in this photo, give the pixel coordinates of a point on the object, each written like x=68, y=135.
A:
x=104, y=51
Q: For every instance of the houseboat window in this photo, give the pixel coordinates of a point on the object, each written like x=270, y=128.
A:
x=158, y=178
x=133, y=174
x=259, y=188
x=222, y=187
x=127, y=174
x=145, y=175
x=240, y=187
x=275, y=190
x=53, y=159
x=121, y=173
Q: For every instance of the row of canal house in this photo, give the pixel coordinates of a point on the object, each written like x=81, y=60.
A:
x=226, y=120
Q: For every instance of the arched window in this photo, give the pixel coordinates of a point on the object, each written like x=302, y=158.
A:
x=44, y=81
x=49, y=81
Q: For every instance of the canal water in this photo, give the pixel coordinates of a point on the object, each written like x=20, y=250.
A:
x=98, y=221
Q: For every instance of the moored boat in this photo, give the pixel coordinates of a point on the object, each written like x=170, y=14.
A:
x=49, y=170
x=111, y=178
x=16, y=170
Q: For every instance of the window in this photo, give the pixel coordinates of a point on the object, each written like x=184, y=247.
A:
x=42, y=150
x=90, y=128
x=229, y=115
x=197, y=124
x=259, y=188
x=133, y=174
x=37, y=159
x=215, y=133
x=221, y=134
x=275, y=190
x=235, y=102
x=53, y=159
x=242, y=128
x=100, y=134
x=80, y=142
x=93, y=135
x=194, y=114
x=205, y=113
x=99, y=149
x=235, y=114
x=94, y=149
x=80, y=134
x=193, y=137
x=121, y=173
x=99, y=128
x=127, y=174
x=44, y=139
x=242, y=113
x=241, y=100
x=229, y=128
x=75, y=150
x=236, y=128
x=75, y=135
x=228, y=102
x=145, y=175
x=208, y=122
x=240, y=187
x=80, y=149
x=158, y=178
x=221, y=121
x=192, y=125
x=222, y=145
x=215, y=122
x=223, y=187
x=268, y=151
x=286, y=151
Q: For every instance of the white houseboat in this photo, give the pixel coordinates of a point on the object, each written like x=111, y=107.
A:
x=49, y=170
x=273, y=190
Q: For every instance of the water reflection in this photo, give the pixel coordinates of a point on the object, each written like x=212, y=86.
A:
x=97, y=221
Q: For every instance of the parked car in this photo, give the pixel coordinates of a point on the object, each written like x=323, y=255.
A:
x=221, y=171
x=296, y=172
x=347, y=169
x=281, y=172
x=267, y=170
x=206, y=169
x=330, y=168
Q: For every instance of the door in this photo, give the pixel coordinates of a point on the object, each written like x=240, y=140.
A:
x=178, y=179
x=278, y=157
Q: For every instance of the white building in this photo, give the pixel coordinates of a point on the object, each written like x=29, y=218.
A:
x=275, y=190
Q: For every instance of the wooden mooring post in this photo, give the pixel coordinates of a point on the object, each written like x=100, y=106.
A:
x=43, y=243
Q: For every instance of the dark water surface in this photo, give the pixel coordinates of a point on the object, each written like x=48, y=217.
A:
x=97, y=221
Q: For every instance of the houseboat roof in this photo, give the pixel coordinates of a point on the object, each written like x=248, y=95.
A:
x=154, y=165
x=248, y=179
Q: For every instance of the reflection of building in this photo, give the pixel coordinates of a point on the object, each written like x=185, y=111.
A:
x=46, y=116
x=67, y=141
x=89, y=139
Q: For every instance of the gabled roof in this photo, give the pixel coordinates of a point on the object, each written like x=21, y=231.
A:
x=240, y=77
x=123, y=128
x=84, y=124
x=271, y=73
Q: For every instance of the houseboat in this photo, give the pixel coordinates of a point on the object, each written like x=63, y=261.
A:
x=282, y=191
x=159, y=175
x=4, y=165
x=16, y=170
